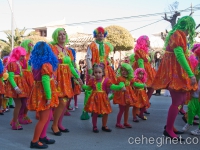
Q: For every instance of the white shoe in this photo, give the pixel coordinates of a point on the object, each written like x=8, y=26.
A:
x=186, y=127
x=196, y=132
x=76, y=107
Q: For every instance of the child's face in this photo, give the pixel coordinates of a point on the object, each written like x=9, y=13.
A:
x=141, y=75
x=124, y=72
x=98, y=73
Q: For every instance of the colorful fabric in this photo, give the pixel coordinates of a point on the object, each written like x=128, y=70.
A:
x=38, y=97
x=98, y=101
x=171, y=74
x=63, y=77
x=142, y=99
x=2, y=85
x=124, y=97
x=19, y=80
x=142, y=55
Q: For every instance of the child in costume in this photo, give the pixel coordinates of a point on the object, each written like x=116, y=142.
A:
x=2, y=88
x=142, y=100
x=26, y=69
x=98, y=102
x=194, y=103
x=16, y=87
x=43, y=95
x=127, y=98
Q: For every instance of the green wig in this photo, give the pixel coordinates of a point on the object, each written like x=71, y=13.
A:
x=129, y=69
x=185, y=23
x=25, y=45
x=55, y=36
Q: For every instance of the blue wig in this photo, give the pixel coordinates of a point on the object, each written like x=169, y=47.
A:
x=74, y=53
x=42, y=54
x=1, y=67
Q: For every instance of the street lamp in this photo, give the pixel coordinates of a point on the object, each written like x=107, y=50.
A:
x=12, y=21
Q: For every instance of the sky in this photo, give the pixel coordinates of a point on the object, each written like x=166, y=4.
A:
x=34, y=13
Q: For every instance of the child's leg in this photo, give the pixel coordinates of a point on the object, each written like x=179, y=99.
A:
x=104, y=120
x=191, y=111
x=94, y=122
x=119, y=116
x=40, y=126
x=44, y=131
x=57, y=114
x=16, y=109
x=126, y=114
x=75, y=101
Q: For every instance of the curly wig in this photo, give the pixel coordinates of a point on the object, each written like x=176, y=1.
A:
x=136, y=74
x=193, y=61
x=185, y=23
x=99, y=30
x=16, y=53
x=26, y=45
x=195, y=47
x=142, y=43
x=129, y=68
x=42, y=54
x=55, y=36
x=1, y=67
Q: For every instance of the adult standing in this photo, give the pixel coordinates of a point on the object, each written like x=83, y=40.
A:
x=175, y=72
x=63, y=77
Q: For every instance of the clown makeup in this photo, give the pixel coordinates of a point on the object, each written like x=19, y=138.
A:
x=124, y=72
x=61, y=37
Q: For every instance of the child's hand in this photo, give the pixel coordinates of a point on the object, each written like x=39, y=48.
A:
x=48, y=102
x=80, y=81
x=123, y=89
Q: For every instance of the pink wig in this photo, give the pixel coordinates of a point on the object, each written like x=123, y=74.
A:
x=193, y=61
x=16, y=53
x=136, y=73
x=141, y=43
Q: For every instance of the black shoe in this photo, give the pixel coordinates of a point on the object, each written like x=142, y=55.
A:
x=11, y=106
x=95, y=130
x=196, y=118
x=65, y=130
x=147, y=112
x=173, y=138
x=1, y=113
x=37, y=145
x=56, y=133
x=106, y=129
x=47, y=141
x=176, y=132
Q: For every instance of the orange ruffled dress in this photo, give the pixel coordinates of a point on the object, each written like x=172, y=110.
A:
x=77, y=88
x=142, y=99
x=2, y=85
x=37, y=100
x=98, y=101
x=151, y=73
x=127, y=97
x=27, y=72
x=19, y=80
x=170, y=74
x=63, y=76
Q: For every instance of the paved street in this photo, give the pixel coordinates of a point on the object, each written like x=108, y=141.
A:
x=81, y=136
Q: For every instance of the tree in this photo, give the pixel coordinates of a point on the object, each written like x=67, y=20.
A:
x=120, y=38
